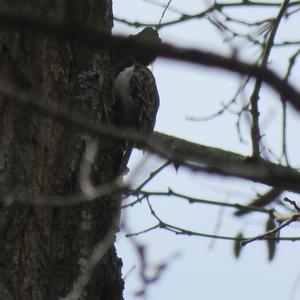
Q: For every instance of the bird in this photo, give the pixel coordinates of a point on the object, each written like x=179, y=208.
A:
x=137, y=103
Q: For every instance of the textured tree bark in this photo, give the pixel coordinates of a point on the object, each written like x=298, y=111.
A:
x=41, y=246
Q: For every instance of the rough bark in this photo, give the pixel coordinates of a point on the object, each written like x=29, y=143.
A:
x=41, y=246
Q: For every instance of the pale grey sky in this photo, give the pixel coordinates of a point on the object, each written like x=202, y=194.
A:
x=206, y=269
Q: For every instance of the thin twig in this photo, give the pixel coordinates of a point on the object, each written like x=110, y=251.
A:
x=295, y=217
x=255, y=130
x=181, y=231
x=142, y=195
x=214, y=7
x=291, y=65
x=152, y=175
x=163, y=13
x=292, y=202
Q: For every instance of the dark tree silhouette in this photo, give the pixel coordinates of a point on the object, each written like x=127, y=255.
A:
x=44, y=249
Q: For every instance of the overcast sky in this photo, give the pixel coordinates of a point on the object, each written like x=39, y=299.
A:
x=200, y=267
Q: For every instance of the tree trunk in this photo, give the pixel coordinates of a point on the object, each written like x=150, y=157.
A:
x=42, y=247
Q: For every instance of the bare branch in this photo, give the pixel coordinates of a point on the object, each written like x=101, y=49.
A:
x=142, y=195
x=293, y=203
x=214, y=7
x=194, y=156
x=216, y=161
x=293, y=218
x=182, y=231
x=94, y=38
x=255, y=130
